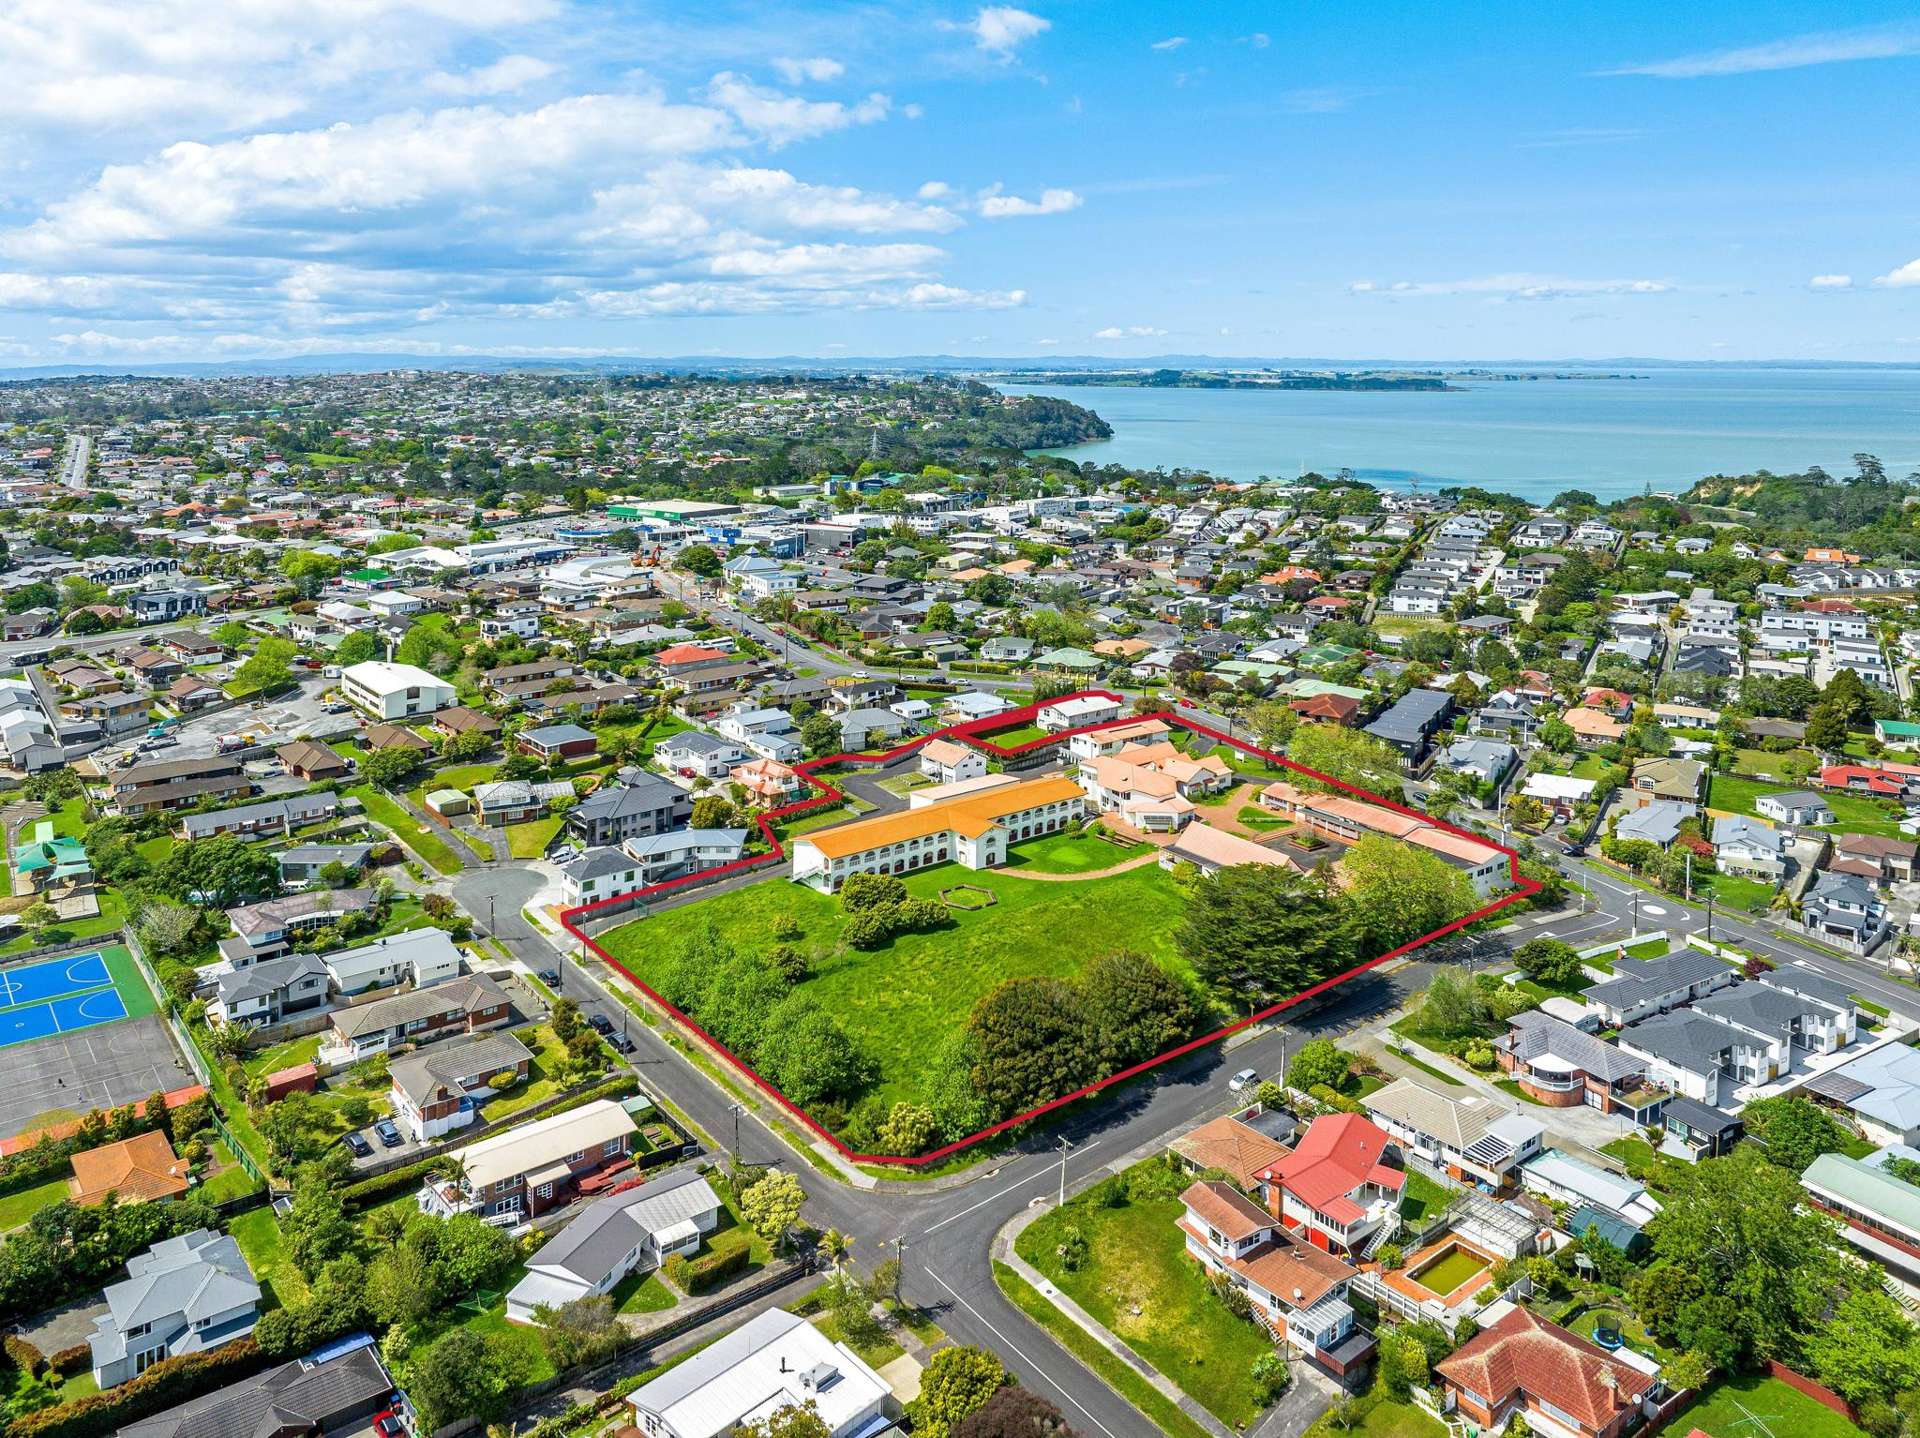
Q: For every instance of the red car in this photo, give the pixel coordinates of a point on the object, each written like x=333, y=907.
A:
x=388, y=1425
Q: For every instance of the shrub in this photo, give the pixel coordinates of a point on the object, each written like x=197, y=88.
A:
x=1336, y=1101
x=675, y=1268
x=69, y=1361
x=27, y=1358
x=1072, y=1249
x=168, y=1383
x=869, y=928
x=710, y=1270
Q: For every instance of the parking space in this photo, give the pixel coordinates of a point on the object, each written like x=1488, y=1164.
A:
x=96, y=1068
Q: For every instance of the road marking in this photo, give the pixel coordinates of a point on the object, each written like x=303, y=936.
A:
x=1024, y=1356
x=1660, y=913
x=1020, y=1183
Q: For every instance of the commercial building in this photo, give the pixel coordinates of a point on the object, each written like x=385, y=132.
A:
x=394, y=691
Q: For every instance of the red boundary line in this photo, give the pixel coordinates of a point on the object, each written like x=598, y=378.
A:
x=971, y=731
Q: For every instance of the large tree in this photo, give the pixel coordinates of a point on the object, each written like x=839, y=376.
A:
x=1014, y=1412
x=957, y=1383
x=1035, y=1041
x=1138, y=1009
x=1259, y=932
x=1348, y=756
x=1400, y=891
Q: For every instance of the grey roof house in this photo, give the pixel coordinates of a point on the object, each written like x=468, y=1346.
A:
x=1655, y=823
x=186, y=1294
x=269, y=991
x=1411, y=720
x=622, y=1233
x=1485, y=760
x=645, y=805
x=1794, y=806
x=1749, y=848
x=1844, y=909
x=332, y=1394
x=1643, y=987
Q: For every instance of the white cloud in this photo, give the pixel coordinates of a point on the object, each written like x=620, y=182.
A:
x=995, y=206
x=1172, y=42
x=817, y=68
x=1259, y=39
x=1003, y=29
x=1047, y=342
x=947, y=297
x=1880, y=42
x=1907, y=275
x=1515, y=287
x=1831, y=282
x=781, y=119
x=502, y=77
x=1127, y=332
x=739, y=196
x=95, y=64
x=935, y=190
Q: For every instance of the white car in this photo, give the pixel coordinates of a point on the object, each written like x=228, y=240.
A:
x=1242, y=1081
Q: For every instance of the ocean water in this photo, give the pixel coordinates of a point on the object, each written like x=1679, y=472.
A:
x=1611, y=437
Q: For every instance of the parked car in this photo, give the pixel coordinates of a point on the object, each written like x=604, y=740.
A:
x=1242, y=1081
x=601, y=1023
x=358, y=1146
x=550, y=977
x=620, y=1043
x=388, y=1425
x=387, y=1133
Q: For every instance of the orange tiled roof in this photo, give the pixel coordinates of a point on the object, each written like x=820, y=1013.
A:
x=1525, y=1353
x=143, y=1167
x=970, y=816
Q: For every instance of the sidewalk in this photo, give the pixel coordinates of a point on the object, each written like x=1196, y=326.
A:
x=1003, y=1253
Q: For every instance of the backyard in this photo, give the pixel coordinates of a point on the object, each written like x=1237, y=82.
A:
x=900, y=1001
x=1422, y=1199
x=383, y=809
x=1852, y=813
x=1730, y=1408
x=1138, y=1282
x=530, y=840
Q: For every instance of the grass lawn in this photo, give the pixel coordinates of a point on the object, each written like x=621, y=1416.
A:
x=529, y=841
x=1074, y=852
x=1590, y=766
x=1383, y=1418
x=899, y=1002
x=1422, y=1198
x=156, y=849
x=1647, y=949
x=1622, y=1322
x=1734, y=892
x=876, y=1355
x=1254, y=817
x=1852, y=813
x=642, y=1293
x=1727, y=1409
x=791, y=829
x=110, y=919
x=1138, y=1282
x=1118, y=1374
x=258, y=1235
x=1014, y=738
x=1450, y=1080
x=382, y=809
x=548, y=1052
x=462, y=777
x=1759, y=764
x=17, y=1208
x=232, y=1180
x=283, y=1056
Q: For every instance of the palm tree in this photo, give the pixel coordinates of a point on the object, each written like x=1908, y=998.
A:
x=838, y=1247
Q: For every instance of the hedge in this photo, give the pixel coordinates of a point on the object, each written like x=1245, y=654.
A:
x=69, y=1361
x=24, y=1355
x=170, y=1382
x=710, y=1270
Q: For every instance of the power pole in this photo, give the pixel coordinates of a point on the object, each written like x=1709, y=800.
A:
x=1065, y=1148
x=736, y=1110
x=899, y=1247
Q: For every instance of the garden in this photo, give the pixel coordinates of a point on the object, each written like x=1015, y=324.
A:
x=1852, y=813
x=1730, y=1407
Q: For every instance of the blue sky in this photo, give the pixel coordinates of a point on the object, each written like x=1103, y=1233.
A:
x=272, y=177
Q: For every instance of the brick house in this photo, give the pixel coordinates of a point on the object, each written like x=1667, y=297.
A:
x=470, y=1004
x=535, y=1167
x=1563, y=1384
x=436, y=1090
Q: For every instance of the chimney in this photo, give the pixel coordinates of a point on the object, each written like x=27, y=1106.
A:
x=1298, y=1295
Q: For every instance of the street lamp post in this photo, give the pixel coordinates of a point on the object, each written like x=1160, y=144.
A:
x=1066, y=1147
x=736, y=1110
x=899, y=1248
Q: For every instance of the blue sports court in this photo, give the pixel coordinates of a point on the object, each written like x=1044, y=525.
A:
x=57, y=996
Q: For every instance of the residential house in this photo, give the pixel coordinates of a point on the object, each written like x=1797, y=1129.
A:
x=469, y=1004
x=1094, y=743
x=269, y=991
x=460, y=720
x=972, y=704
x=1076, y=712
x=1485, y=761
x=1559, y=1382
x=767, y=783
x=1844, y=910
x=190, y=1293
x=1340, y=1188
x=633, y=1231
x=1554, y=1063
x=1153, y=787
x=267, y=929
x=1699, y=1056
x=516, y=801
x=1655, y=823
x=533, y=1168
x=329, y=1393
x=641, y=805
x=558, y=741
x=1879, y=1090
x=417, y=957
x=1210, y=850
x=765, y=733
x=1241, y=1145
x=772, y=1362
x=438, y=1089
x=178, y=784
x=1794, y=806
x=1591, y=728
x=1473, y=1139
x=376, y=737
x=946, y=762
x=1411, y=721
x=868, y=728
x=1749, y=849
x=1695, y=1131
x=1679, y=781
x=696, y=755
x=316, y=763
x=1297, y=1289
x=1875, y=858
x=1878, y=1211
x=141, y=1169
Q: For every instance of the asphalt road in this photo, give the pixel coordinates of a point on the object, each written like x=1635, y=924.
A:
x=74, y=473
x=947, y=1231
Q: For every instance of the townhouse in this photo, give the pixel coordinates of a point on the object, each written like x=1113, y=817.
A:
x=1641, y=988
x=178, y=784
x=267, y=819
x=640, y=804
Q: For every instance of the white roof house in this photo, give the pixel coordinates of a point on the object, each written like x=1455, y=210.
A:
x=620, y=1234
x=544, y=1141
x=776, y=1361
x=424, y=955
x=395, y=691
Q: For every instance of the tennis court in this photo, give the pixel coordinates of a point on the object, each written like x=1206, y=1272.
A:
x=57, y=996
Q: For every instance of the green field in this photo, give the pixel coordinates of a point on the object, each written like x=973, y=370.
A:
x=1139, y=1284
x=530, y=840
x=899, y=1002
x=1727, y=1409
x=1071, y=853
x=1852, y=813
x=16, y=1208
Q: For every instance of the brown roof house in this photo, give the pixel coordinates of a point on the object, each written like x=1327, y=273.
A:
x=307, y=760
x=141, y=1169
x=1524, y=1364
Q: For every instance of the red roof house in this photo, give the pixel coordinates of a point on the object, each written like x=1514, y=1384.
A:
x=1524, y=1364
x=1334, y=1188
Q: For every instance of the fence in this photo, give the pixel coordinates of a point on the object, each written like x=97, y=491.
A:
x=68, y=946
x=237, y=1148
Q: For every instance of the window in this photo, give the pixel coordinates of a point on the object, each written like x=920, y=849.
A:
x=612, y=1145
x=143, y=1361
x=545, y=1190
x=576, y=1155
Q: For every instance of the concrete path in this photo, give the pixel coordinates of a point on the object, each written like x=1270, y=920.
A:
x=1136, y=862
x=1003, y=1251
